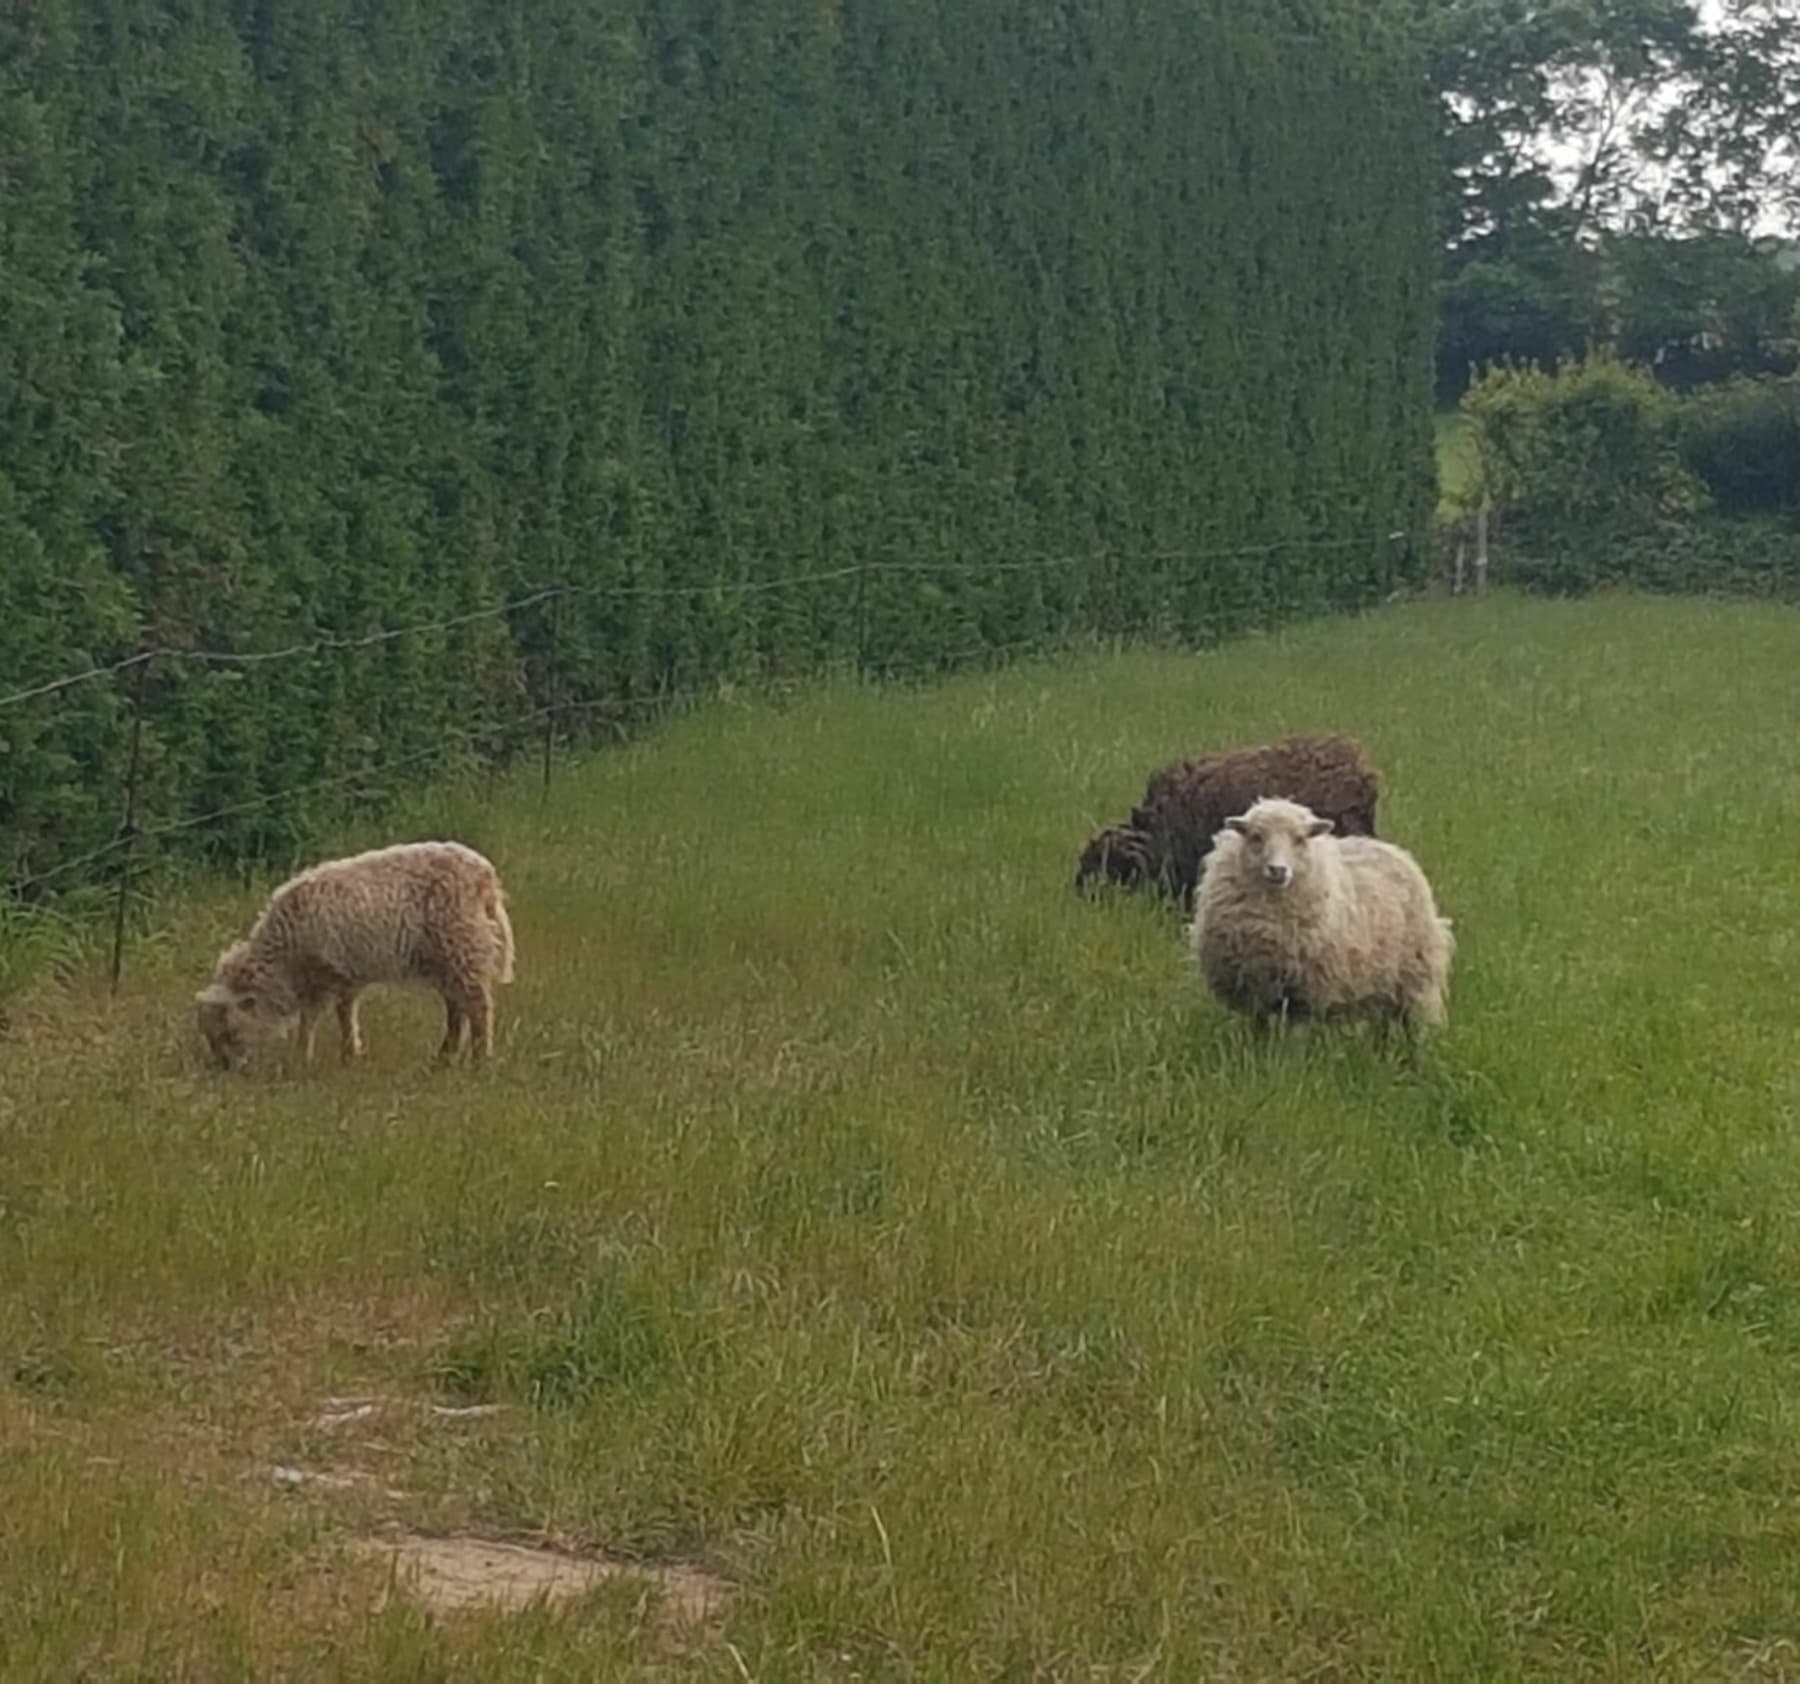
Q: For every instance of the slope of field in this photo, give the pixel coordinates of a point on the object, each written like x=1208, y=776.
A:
x=909, y=1252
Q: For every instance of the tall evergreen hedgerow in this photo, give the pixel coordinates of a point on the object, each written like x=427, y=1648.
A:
x=321, y=319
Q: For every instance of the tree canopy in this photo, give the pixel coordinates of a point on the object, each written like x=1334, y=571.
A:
x=1622, y=170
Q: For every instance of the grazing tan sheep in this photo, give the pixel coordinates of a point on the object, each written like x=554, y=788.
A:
x=1185, y=804
x=421, y=912
x=1292, y=921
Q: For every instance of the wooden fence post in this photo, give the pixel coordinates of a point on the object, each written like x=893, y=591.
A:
x=128, y=825
x=862, y=618
x=550, y=692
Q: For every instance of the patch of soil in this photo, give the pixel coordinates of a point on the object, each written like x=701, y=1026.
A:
x=452, y=1574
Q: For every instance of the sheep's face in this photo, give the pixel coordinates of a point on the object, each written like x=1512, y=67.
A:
x=1114, y=855
x=232, y=1019
x=1273, y=838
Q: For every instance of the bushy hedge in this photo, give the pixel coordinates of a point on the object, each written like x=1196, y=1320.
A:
x=1757, y=557
x=1585, y=444
x=1600, y=475
x=1742, y=440
x=322, y=318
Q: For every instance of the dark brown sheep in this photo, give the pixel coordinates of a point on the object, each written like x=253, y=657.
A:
x=1186, y=804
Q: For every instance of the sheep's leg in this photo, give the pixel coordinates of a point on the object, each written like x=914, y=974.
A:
x=350, y=1041
x=1406, y=1024
x=481, y=1022
x=1273, y=1014
x=309, y=1031
x=1421, y=1011
x=456, y=1024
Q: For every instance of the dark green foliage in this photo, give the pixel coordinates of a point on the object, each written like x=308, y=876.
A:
x=1743, y=441
x=1512, y=310
x=1703, y=556
x=1705, y=308
x=1694, y=310
x=1602, y=476
x=1597, y=163
x=318, y=320
x=1590, y=445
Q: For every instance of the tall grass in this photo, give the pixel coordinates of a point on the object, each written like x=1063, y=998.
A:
x=856, y=1211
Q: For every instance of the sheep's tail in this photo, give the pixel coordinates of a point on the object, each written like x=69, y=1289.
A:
x=495, y=908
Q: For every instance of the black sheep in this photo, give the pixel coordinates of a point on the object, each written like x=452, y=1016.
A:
x=1187, y=803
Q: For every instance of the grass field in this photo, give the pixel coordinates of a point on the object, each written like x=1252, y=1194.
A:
x=855, y=1215
x=1456, y=462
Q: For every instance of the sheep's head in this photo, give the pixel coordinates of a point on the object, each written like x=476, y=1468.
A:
x=234, y=1013
x=1117, y=854
x=1272, y=841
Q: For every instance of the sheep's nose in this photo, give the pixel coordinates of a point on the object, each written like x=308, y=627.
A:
x=1278, y=874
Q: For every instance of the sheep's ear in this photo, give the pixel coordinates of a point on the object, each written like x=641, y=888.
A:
x=1319, y=827
x=1236, y=824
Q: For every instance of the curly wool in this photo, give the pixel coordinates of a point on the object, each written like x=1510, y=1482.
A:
x=1355, y=930
x=419, y=912
x=1170, y=832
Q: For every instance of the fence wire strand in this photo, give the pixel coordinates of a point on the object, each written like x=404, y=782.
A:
x=486, y=736
x=492, y=736
x=333, y=643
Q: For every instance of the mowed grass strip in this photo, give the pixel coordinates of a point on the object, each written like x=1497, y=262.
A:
x=858, y=1215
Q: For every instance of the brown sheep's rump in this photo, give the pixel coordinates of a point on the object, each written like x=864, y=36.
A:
x=1170, y=832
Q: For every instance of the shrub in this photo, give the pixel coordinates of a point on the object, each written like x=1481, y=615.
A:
x=1602, y=476
x=1708, y=556
x=1591, y=446
x=1742, y=439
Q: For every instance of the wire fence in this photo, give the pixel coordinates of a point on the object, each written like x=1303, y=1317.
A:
x=613, y=591
x=122, y=854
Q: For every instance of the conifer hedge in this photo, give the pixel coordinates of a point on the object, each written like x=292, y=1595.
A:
x=1039, y=316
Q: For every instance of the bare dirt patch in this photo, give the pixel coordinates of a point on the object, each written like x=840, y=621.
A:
x=451, y=1575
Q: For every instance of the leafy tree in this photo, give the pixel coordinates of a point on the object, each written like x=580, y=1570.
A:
x=1705, y=306
x=1537, y=307
x=1723, y=147
x=1570, y=125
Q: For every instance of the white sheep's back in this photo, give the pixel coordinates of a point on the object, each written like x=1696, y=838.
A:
x=386, y=915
